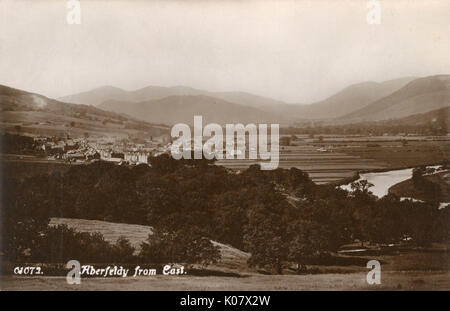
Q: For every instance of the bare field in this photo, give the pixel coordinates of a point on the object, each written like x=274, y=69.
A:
x=136, y=234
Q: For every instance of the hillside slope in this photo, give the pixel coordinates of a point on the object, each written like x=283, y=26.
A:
x=352, y=98
x=32, y=113
x=418, y=96
x=438, y=116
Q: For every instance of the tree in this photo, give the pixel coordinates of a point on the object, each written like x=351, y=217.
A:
x=429, y=189
x=265, y=239
x=308, y=240
x=361, y=186
x=182, y=246
x=384, y=221
x=417, y=176
x=123, y=251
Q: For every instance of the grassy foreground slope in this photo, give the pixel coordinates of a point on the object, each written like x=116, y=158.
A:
x=231, y=258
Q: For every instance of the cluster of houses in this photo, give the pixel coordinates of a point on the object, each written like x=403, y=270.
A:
x=80, y=150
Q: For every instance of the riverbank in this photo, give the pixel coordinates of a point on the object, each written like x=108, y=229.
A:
x=383, y=184
x=441, y=181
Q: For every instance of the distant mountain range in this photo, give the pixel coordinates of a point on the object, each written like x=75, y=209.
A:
x=368, y=101
x=178, y=104
x=32, y=113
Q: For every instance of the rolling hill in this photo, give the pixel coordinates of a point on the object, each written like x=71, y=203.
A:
x=98, y=96
x=441, y=116
x=176, y=109
x=351, y=98
x=418, y=96
x=32, y=113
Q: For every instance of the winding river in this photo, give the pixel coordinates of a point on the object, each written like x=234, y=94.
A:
x=382, y=181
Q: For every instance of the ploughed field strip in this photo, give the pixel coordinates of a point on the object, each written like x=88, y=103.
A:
x=136, y=234
x=322, y=166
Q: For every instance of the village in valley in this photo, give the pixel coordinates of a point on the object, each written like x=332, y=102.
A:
x=85, y=150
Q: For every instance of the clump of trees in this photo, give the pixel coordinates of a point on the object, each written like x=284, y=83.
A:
x=60, y=244
x=33, y=240
x=36, y=241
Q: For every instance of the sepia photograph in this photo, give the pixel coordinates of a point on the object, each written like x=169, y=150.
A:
x=224, y=145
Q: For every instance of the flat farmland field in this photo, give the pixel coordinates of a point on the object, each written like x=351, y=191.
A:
x=397, y=154
x=333, y=158
x=323, y=166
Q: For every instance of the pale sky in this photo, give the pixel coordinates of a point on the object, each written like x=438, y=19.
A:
x=296, y=51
